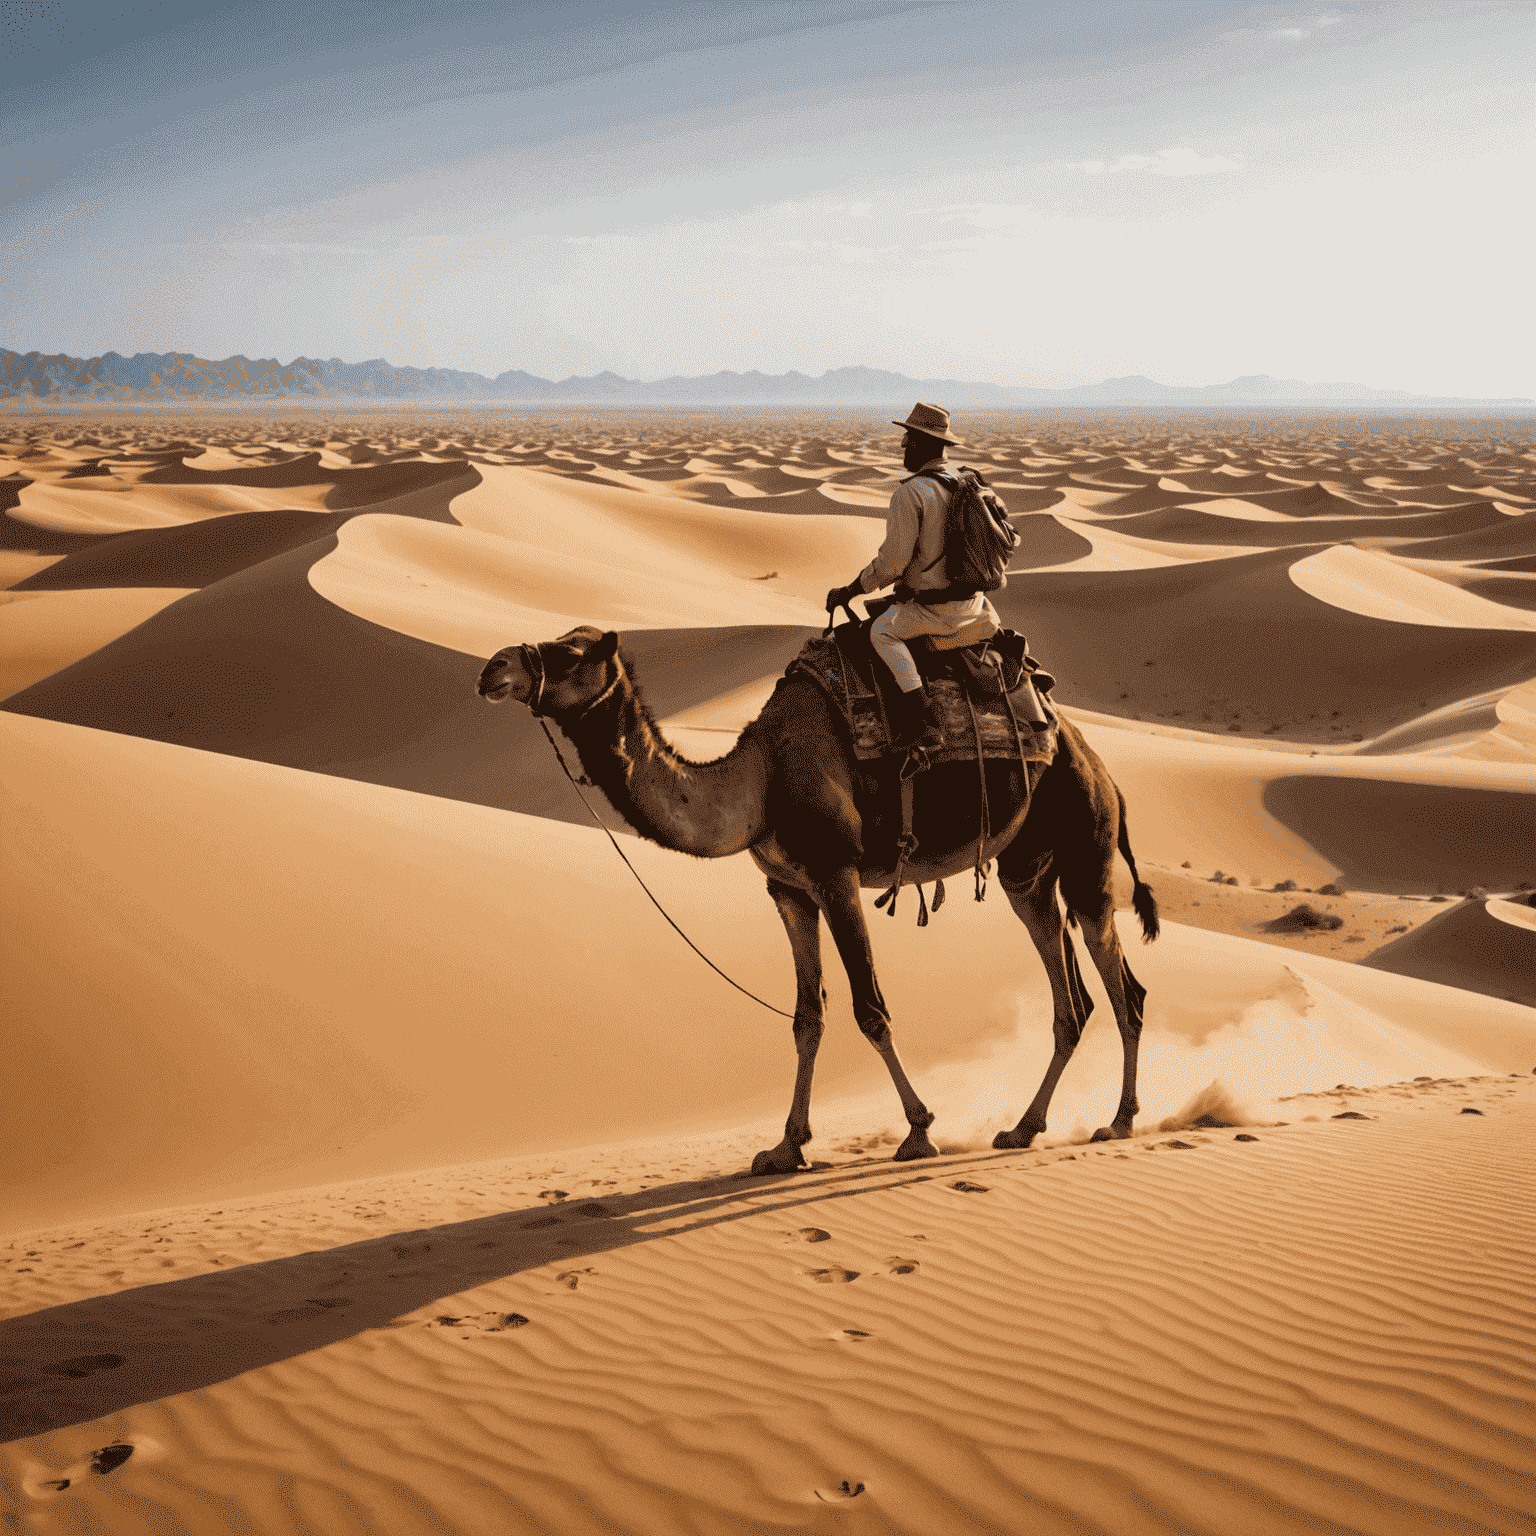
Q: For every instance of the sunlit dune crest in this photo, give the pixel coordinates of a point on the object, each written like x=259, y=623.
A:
x=374, y=1142
x=1379, y=588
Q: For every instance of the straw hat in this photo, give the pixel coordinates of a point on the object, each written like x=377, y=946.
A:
x=932, y=421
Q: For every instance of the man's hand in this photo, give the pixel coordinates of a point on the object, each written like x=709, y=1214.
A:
x=840, y=597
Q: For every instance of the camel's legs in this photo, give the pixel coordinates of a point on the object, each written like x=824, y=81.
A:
x=838, y=898
x=802, y=921
x=1037, y=908
x=1126, y=996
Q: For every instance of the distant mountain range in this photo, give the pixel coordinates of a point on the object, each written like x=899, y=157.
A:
x=157, y=376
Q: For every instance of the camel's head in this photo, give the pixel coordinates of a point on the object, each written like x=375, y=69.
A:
x=556, y=677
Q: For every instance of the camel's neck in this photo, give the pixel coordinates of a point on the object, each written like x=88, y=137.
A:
x=706, y=809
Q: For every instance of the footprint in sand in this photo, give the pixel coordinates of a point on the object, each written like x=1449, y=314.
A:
x=482, y=1322
x=844, y=1491
x=85, y=1365
x=412, y=1250
x=108, y=1459
x=902, y=1266
x=966, y=1187
x=808, y=1235
x=831, y=1276
x=571, y=1278
x=541, y=1221
x=111, y=1457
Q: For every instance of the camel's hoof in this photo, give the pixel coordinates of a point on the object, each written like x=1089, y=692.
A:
x=915, y=1146
x=1111, y=1133
x=778, y=1160
x=1017, y=1141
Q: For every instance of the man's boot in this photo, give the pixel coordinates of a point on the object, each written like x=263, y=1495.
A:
x=919, y=722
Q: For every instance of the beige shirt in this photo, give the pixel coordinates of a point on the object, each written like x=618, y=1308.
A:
x=914, y=537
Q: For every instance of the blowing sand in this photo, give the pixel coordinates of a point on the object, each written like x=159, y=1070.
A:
x=376, y=1155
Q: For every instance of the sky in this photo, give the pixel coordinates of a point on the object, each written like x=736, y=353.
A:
x=1045, y=192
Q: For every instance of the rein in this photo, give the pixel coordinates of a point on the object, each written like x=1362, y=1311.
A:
x=576, y=784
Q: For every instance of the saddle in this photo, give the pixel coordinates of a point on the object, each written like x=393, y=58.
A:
x=991, y=695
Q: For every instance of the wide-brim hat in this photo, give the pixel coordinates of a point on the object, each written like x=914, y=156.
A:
x=931, y=421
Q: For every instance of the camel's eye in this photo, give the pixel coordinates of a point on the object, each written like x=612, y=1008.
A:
x=561, y=660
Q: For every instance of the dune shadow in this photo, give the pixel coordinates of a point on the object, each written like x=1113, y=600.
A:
x=1388, y=836
x=1464, y=946
x=187, y=555
x=259, y=665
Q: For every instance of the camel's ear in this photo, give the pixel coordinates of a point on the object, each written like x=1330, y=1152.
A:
x=604, y=648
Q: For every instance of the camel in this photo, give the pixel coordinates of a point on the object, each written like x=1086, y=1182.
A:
x=820, y=824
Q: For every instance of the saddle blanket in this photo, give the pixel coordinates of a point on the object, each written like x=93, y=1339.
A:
x=1002, y=726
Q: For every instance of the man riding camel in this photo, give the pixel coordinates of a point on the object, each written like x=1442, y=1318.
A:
x=912, y=556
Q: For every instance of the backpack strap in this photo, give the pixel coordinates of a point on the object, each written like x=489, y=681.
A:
x=951, y=484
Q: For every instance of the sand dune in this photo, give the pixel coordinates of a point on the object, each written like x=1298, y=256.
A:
x=1401, y=823
x=1230, y=480
x=1513, y=563
x=378, y=1153
x=1479, y=945
x=17, y=565
x=1046, y=541
x=1509, y=536
x=475, y=592
x=1136, y=642
x=185, y=555
x=42, y=633
x=1222, y=520
x=95, y=506
x=1511, y=735
x=1108, y=502
x=1380, y=588
x=1111, y=549
x=1512, y=591
x=281, y=675
x=641, y=536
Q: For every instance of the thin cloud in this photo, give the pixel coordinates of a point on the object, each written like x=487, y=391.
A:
x=978, y=215
x=291, y=248
x=1166, y=162
x=1293, y=32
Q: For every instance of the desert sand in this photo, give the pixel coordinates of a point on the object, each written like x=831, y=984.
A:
x=377, y=1156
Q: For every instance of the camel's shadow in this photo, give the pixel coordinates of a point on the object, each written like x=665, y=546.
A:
x=69, y=1364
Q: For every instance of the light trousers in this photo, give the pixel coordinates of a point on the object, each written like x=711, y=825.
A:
x=964, y=623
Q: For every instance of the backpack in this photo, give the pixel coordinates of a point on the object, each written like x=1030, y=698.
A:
x=978, y=538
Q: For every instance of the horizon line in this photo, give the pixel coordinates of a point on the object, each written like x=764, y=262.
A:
x=1407, y=397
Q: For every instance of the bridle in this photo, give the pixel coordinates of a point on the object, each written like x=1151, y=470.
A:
x=533, y=660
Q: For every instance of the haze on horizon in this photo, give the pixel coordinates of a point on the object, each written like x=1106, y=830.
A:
x=1040, y=194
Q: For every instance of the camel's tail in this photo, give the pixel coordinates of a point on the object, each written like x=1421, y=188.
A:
x=1142, y=898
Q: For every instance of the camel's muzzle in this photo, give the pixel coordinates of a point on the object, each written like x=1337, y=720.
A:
x=500, y=678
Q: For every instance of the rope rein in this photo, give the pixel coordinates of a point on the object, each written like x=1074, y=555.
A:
x=576, y=785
